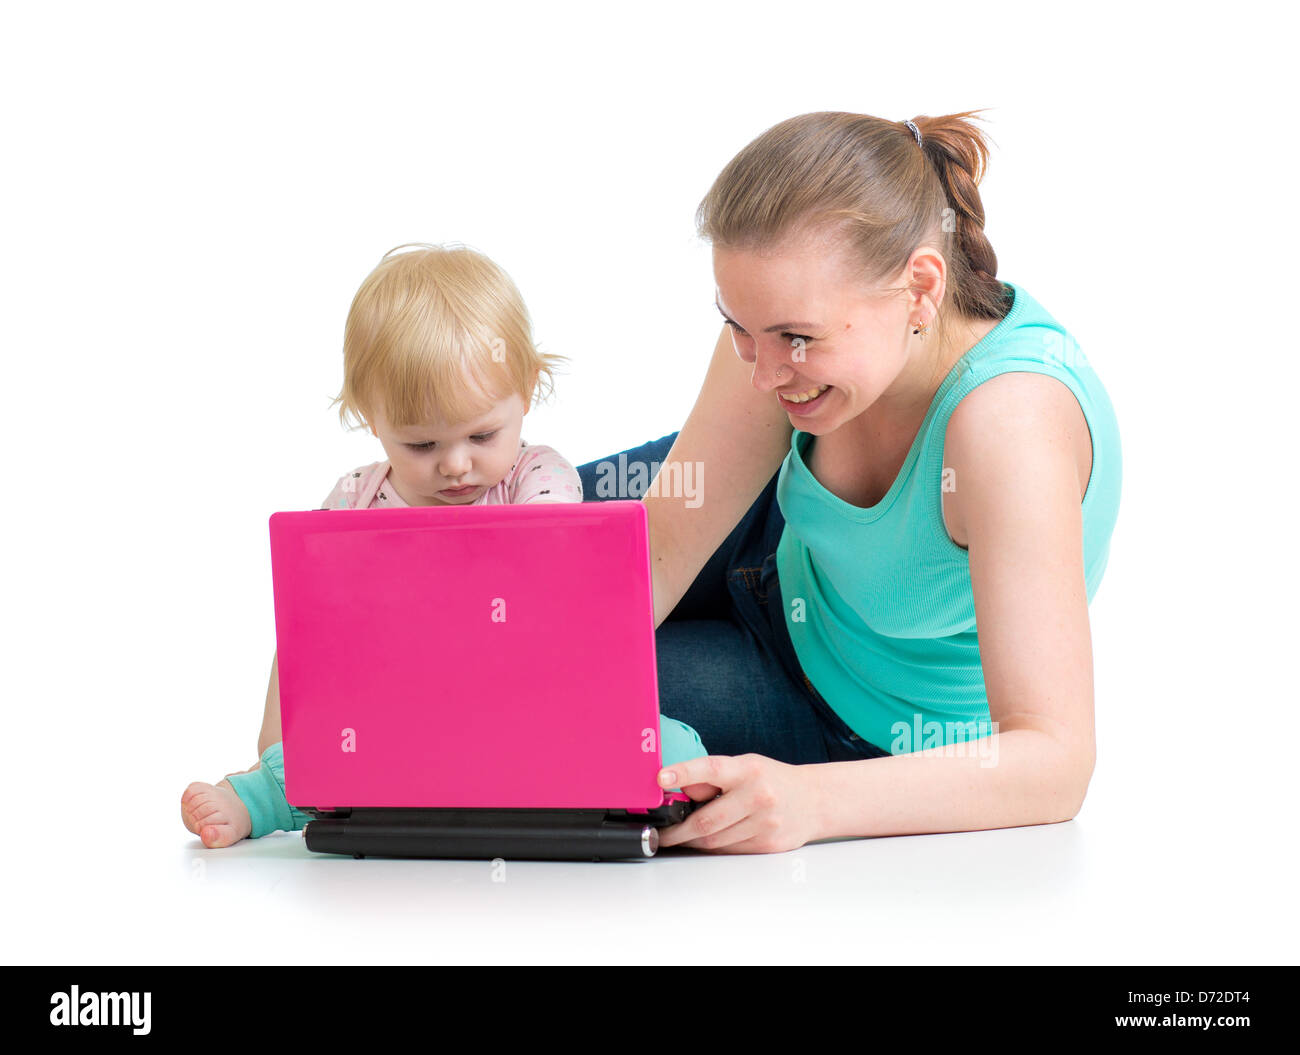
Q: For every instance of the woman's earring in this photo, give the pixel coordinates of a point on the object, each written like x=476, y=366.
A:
x=920, y=331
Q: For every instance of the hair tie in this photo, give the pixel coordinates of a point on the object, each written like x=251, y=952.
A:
x=915, y=131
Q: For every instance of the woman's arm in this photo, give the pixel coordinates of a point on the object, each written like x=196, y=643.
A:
x=1012, y=446
x=1011, y=443
x=735, y=439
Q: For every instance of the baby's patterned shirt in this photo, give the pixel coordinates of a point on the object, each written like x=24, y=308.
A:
x=540, y=474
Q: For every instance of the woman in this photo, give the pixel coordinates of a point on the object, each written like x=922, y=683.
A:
x=890, y=447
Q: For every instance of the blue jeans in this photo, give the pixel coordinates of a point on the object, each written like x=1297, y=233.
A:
x=726, y=665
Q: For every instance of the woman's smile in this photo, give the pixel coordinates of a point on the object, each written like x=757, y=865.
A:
x=804, y=401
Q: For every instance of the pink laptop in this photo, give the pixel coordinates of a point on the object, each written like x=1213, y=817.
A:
x=470, y=681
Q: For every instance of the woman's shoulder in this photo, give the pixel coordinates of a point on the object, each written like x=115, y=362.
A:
x=1008, y=407
x=1020, y=367
x=1030, y=426
x=1031, y=337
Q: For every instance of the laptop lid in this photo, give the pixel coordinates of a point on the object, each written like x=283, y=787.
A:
x=467, y=656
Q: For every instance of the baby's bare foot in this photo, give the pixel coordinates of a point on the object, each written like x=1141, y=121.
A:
x=215, y=814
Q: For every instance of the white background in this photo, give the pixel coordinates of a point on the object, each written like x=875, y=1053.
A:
x=191, y=196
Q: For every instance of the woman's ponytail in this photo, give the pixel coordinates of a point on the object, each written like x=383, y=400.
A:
x=960, y=155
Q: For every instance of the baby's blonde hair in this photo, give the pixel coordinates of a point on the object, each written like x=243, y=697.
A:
x=441, y=333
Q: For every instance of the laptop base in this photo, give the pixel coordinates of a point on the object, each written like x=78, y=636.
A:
x=487, y=834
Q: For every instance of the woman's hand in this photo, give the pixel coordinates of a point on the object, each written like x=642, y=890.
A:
x=758, y=805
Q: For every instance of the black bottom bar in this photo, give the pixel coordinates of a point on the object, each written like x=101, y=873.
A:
x=1245, y=1005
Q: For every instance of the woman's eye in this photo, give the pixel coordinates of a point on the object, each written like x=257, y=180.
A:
x=791, y=337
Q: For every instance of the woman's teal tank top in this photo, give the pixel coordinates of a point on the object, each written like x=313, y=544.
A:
x=886, y=628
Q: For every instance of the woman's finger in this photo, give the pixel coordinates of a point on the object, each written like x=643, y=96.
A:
x=726, y=839
x=753, y=844
x=722, y=813
x=700, y=792
x=721, y=771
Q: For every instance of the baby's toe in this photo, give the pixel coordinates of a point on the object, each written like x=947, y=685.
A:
x=193, y=797
x=202, y=810
x=214, y=814
x=217, y=834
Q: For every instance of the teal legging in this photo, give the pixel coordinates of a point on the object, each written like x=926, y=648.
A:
x=262, y=790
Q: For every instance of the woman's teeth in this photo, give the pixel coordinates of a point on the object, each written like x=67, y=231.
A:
x=803, y=397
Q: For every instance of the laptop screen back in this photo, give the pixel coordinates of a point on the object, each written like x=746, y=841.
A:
x=472, y=656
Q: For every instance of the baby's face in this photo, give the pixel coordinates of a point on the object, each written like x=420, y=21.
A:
x=430, y=459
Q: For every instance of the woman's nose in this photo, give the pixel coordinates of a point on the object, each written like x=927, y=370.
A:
x=770, y=367
x=768, y=360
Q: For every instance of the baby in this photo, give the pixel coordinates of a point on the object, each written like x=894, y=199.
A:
x=439, y=364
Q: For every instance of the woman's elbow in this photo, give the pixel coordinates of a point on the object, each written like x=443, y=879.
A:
x=1070, y=788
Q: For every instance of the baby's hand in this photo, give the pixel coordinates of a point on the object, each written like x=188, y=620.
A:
x=215, y=814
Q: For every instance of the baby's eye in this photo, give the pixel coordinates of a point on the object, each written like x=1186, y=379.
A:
x=482, y=437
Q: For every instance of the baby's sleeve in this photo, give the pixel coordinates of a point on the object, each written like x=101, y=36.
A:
x=346, y=490
x=262, y=791
x=543, y=474
x=332, y=500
